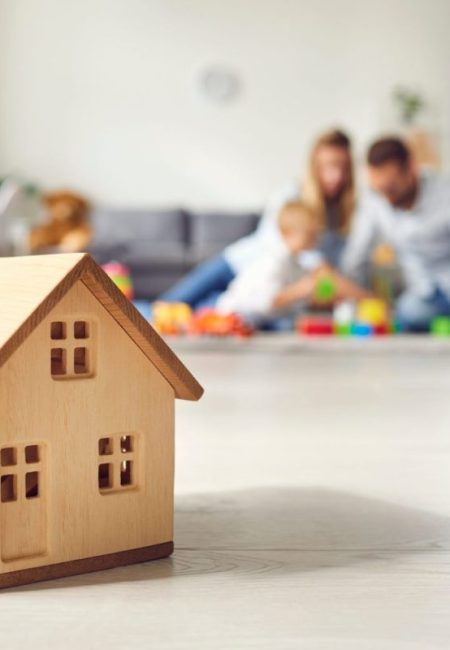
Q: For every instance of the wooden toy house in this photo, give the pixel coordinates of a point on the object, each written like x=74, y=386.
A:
x=86, y=423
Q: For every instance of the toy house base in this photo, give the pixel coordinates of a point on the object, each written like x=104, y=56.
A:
x=85, y=565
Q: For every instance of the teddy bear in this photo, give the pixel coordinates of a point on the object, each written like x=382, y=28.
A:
x=67, y=225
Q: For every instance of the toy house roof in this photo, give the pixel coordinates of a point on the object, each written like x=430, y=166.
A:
x=31, y=286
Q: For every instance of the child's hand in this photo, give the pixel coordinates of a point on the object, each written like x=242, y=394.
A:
x=306, y=286
x=303, y=289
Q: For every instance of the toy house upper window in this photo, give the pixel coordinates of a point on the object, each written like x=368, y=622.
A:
x=72, y=349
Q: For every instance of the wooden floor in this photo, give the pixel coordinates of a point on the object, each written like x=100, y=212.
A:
x=313, y=513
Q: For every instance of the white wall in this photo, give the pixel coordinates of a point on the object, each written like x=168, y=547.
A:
x=101, y=95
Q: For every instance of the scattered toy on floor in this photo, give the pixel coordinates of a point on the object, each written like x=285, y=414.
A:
x=372, y=311
x=315, y=326
x=440, y=326
x=361, y=329
x=120, y=275
x=343, y=317
x=178, y=319
x=171, y=317
x=368, y=317
x=210, y=322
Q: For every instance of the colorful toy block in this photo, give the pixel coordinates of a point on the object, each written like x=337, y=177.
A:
x=344, y=313
x=120, y=275
x=315, y=326
x=210, y=322
x=343, y=330
x=362, y=329
x=372, y=311
x=440, y=326
x=171, y=317
x=383, y=330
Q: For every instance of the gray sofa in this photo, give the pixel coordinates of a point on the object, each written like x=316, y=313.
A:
x=160, y=246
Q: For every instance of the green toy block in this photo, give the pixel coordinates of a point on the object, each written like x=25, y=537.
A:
x=440, y=326
x=325, y=290
x=344, y=329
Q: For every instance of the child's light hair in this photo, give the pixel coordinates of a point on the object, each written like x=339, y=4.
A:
x=296, y=217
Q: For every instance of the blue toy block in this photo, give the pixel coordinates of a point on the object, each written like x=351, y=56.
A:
x=362, y=329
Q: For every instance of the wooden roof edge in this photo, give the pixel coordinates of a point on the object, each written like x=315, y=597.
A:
x=184, y=384
x=50, y=300
x=141, y=332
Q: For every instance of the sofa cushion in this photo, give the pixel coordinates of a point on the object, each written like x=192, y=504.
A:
x=151, y=283
x=210, y=232
x=118, y=226
x=160, y=246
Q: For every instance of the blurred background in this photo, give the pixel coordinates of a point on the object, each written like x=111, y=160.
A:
x=207, y=103
x=312, y=479
x=202, y=105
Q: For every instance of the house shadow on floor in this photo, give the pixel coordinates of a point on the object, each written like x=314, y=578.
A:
x=279, y=530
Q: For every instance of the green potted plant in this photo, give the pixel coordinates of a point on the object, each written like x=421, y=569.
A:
x=409, y=104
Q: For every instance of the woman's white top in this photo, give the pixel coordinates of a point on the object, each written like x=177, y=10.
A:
x=244, y=251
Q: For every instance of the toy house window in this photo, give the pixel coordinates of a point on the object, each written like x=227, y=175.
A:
x=8, y=456
x=71, y=350
x=8, y=487
x=20, y=472
x=58, y=331
x=116, y=463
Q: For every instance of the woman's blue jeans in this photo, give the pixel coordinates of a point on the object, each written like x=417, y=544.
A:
x=203, y=285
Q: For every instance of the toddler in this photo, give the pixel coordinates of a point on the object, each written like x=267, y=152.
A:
x=284, y=281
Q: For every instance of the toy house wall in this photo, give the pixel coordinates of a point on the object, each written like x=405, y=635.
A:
x=71, y=518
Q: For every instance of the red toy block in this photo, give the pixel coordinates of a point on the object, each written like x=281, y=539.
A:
x=382, y=330
x=314, y=326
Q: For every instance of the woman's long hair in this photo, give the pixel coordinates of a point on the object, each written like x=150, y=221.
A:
x=311, y=191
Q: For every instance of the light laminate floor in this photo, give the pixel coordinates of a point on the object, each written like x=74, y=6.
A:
x=313, y=512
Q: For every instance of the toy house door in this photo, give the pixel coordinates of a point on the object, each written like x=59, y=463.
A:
x=23, y=516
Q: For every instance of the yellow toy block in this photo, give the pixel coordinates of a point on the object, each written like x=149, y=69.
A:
x=372, y=311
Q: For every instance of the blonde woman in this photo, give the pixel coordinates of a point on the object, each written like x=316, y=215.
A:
x=327, y=190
